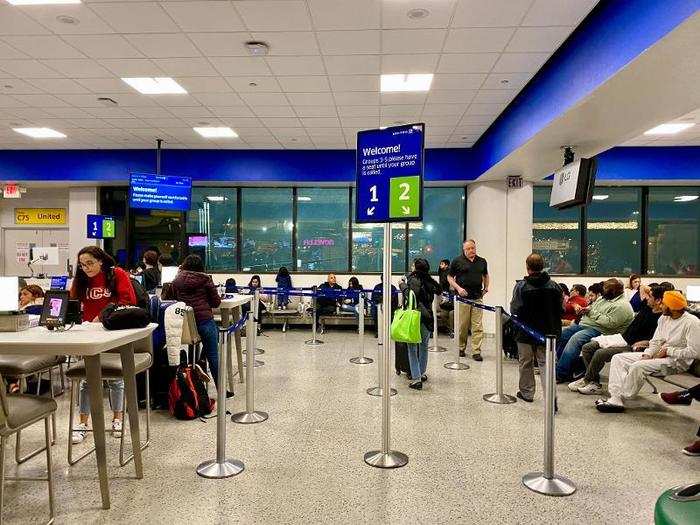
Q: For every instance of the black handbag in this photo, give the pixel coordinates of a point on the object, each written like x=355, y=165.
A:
x=115, y=317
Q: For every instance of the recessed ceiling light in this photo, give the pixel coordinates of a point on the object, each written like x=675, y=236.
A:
x=216, y=132
x=40, y=133
x=417, y=13
x=410, y=82
x=42, y=2
x=685, y=198
x=155, y=85
x=669, y=128
x=600, y=197
x=65, y=19
x=253, y=84
x=257, y=49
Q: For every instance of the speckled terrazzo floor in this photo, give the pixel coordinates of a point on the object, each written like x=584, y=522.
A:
x=304, y=465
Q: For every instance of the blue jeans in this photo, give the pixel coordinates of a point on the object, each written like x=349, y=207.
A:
x=350, y=308
x=209, y=333
x=572, y=339
x=116, y=395
x=418, y=354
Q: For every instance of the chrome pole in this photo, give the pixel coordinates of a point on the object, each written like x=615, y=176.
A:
x=250, y=415
x=313, y=341
x=499, y=397
x=456, y=365
x=361, y=359
x=221, y=467
x=547, y=482
x=376, y=391
x=435, y=347
x=386, y=458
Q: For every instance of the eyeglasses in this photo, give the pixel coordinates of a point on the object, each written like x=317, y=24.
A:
x=87, y=264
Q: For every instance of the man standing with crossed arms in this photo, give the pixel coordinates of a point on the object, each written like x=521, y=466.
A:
x=469, y=277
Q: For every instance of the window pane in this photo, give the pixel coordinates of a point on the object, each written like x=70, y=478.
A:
x=614, y=231
x=266, y=229
x=556, y=235
x=213, y=215
x=439, y=236
x=368, y=246
x=113, y=202
x=322, y=229
x=674, y=231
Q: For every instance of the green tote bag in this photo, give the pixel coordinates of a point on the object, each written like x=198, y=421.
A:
x=405, y=328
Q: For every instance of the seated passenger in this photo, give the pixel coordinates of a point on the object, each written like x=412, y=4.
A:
x=30, y=295
x=609, y=315
x=253, y=284
x=634, y=339
x=595, y=291
x=327, y=305
x=350, y=303
x=443, y=271
x=685, y=397
x=574, y=304
x=632, y=292
x=284, y=281
x=151, y=273
x=230, y=286
x=672, y=349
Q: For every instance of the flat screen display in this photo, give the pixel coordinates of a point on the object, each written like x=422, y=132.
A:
x=59, y=282
x=160, y=192
x=197, y=240
x=55, y=306
x=572, y=184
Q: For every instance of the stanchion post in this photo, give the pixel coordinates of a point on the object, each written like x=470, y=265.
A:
x=546, y=482
x=221, y=467
x=435, y=347
x=313, y=341
x=456, y=365
x=499, y=397
x=250, y=415
x=376, y=391
x=361, y=359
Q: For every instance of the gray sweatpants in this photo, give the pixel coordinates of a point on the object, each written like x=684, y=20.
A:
x=526, y=353
x=595, y=358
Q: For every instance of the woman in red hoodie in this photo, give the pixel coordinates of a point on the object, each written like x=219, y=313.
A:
x=98, y=283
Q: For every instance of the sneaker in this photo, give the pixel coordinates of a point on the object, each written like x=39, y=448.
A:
x=537, y=370
x=610, y=408
x=692, y=449
x=591, y=389
x=416, y=385
x=424, y=378
x=117, y=428
x=681, y=397
x=477, y=357
x=79, y=433
x=519, y=395
x=575, y=385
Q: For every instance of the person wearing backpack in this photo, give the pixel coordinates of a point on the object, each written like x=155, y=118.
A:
x=98, y=283
x=424, y=288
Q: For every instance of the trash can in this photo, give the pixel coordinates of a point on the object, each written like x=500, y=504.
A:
x=679, y=506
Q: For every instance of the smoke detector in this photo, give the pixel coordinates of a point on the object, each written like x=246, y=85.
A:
x=417, y=13
x=65, y=19
x=257, y=49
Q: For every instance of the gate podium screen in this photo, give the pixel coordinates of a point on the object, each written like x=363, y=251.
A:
x=160, y=192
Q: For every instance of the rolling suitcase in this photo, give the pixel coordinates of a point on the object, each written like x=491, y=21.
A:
x=401, y=363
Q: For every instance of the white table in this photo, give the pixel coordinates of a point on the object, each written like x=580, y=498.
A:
x=89, y=340
x=230, y=313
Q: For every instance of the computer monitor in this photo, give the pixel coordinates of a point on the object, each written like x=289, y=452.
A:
x=55, y=307
x=9, y=294
x=692, y=293
x=168, y=273
x=59, y=282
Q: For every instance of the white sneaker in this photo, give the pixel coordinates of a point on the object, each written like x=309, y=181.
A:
x=591, y=389
x=79, y=433
x=575, y=385
x=117, y=428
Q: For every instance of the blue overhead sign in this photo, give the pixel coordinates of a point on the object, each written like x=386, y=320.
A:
x=160, y=192
x=389, y=174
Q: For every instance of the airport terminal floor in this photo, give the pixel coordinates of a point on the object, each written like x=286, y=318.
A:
x=304, y=465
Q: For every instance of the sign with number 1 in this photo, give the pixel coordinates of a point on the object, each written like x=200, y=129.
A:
x=389, y=174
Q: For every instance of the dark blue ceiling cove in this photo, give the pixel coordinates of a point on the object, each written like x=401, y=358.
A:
x=613, y=34
x=649, y=163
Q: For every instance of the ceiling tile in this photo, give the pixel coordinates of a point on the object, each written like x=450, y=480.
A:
x=274, y=15
x=103, y=85
x=353, y=64
x=496, y=96
x=458, y=81
x=103, y=46
x=315, y=111
x=174, y=102
x=38, y=46
x=308, y=65
x=7, y=51
x=221, y=44
x=149, y=112
x=289, y=43
x=265, y=99
x=468, y=120
x=490, y=13
x=262, y=84
x=310, y=99
x=341, y=14
x=414, y=63
x=87, y=21
x=514, y=81
x=440, y=120
x=135, y=17
x=189, y=111
x=14, y=22
x=403, y=98
x=356, y=98
x=248, y=123
x=204, y=84
x=355, y=83
x=163, y=45
x=163, y=122
x=320, y=122
x=520, y=62
x=451, y=96
x=304, y=84
x=102, y=112
x=478, y=40
x=443, y=109
x=59, y=85
x=485, y=109
x=273, y=111
x=237, y=66
x=467, y=63
x=219, y=99
x=27, y=69
x=394, y=14
x=349, y=42
x=537, y=39
x=186, y=67
x=10, y=86
x=281, y=122
x=132, y=67
x=360, y=122
x=7, y=101
x=80, y=68
x=413, y=40
x=204, y=15
x=401, y=110
x=558, y=12
x=358, y=111
x=231, y=111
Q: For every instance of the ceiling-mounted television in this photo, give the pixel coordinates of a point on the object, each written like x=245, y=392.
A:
x=160, y=192
x=572, y=185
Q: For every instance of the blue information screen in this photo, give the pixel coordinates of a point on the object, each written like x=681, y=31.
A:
x=389, y=174
x=59, y=282
x=160, y=192
x=100, y=227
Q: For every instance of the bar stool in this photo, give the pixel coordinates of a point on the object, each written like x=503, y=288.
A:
x=21, y=367
x=111, y=369
x=19, y=411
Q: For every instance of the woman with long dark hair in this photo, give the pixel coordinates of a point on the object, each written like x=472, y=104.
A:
x=98, y=283
x=350, y=303
x=253, y=284
x=284, y=282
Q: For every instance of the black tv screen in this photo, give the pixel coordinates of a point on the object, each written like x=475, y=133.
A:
x=572, y=185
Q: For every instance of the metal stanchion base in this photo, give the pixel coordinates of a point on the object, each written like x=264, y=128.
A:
x=256, y=363
x=377, y=391
x=503, y=399
x=313, y=342
x=214, y=470
x=456, y=366
x=437, y=349
x=248, y=418
x=556, y=486
x=361, y=360
x=258, y=351
x=391, y=459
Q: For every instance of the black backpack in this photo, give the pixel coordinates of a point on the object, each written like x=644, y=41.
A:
x=510, y=345
x=142, y=299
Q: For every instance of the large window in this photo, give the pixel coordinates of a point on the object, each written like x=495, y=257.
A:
x=440, y=235
x=556, y=235
x=368, y=246
x=266, y=229
x=614, y=231
x=211, y=227
x=674, y=231
x=322, y=229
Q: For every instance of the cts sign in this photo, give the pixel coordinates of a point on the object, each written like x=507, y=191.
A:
x=40, y=216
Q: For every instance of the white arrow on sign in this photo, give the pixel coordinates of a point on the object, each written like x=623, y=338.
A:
x=370, y=211
x=406, y=210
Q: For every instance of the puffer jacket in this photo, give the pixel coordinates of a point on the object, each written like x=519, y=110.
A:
x=173, y=320
x=537, y=302
x=197, y=290
x=609, y=316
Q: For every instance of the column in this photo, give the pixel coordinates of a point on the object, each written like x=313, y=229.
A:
x=81, y=202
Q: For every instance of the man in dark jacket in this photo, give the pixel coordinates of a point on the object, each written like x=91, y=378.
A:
x=538, y=303
x=327, y=305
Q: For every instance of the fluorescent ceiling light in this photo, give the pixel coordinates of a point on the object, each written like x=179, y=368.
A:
x=600, y=197
x=40, y=133
x=670, y=129
x=685, y=198
x=216, y=132
x=411, y=82
x=304, y=199
x=42, y=2
x=155, y=85
x=216, y=198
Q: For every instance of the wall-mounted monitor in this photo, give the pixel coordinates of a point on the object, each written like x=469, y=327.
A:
x=572, y=185
x=100, y=227
x=196, y=239
x=160, y=192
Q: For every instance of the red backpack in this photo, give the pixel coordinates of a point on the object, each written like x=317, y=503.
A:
x=187, y=395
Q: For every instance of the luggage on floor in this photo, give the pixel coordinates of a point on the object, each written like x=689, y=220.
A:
x=510, y=346
x=401, y=359
x=188, y=397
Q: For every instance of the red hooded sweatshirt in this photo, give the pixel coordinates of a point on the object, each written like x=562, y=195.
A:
x=98, y=295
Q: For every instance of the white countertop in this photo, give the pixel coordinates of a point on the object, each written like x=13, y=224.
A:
x=235, y=300
x=83, y=339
